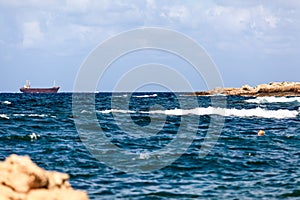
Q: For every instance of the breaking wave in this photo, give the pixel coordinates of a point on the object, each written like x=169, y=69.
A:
x=4, y=116
x=259, y=100
x=6, y=102
x=31, y=115
x=146, y=96
x=256, y=112
x=34, y=136
x=119, y=96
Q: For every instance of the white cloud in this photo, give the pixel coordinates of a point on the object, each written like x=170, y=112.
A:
x=54, y=23
x=240, y=19
x=150, y=4
x=229, y=18
x=272, y=21
x=32, y=34
x=253, y=29
x=179, y=13
x=30, y=3
x=77, y=5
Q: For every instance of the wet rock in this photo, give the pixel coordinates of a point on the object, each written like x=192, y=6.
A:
x=21, y=179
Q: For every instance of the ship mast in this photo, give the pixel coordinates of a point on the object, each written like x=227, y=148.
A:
x=27, y=84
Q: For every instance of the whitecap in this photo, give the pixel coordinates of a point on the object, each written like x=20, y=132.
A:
x=6, y=102
x=34, y=136
x=115, y=111
x=85, y=111
x=37, y=115
x=19, y=115
x=146, y=96
x=144, y=156
x=255, y=112
x=30, y=115
x=116, y=96
x=4, y=116
x=259, y=100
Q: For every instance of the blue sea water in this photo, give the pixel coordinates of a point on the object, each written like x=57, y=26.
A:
x=240, y=165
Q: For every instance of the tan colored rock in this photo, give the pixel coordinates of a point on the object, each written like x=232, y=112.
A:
x=261, y=133
x=9, y=193
x=58, y=180
x=271, y=89
x=247, y=88
x=56, y=194
x=21, y=179
x=22, y=174
x=278, y=87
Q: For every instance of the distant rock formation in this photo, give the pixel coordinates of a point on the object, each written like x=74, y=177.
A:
x=21, y=179
x=271, y=89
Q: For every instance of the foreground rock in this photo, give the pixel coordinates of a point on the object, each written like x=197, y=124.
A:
x=271, y=89
x=21, y=179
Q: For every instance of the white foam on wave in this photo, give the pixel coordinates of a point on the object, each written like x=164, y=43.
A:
x=34, y=136
x=144, y=156
x=37, y=115
x=256, y=112
x=4, y=116
x=146, y=96
x=273, y=100
x=33, y=115
x=6, y=102
x=85, y=111
x=263, y=113
x=119, y=95
x=116, y=111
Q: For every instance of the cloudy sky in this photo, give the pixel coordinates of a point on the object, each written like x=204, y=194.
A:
x=249, y=41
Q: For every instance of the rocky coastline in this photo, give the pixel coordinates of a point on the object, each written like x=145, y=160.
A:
x=271, y=89
x=21, y=179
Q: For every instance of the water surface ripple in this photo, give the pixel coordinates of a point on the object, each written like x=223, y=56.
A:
x=240, y=166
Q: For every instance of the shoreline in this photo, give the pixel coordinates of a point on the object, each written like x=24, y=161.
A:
x=278, y=89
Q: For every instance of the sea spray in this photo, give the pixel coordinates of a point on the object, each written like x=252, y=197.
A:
x=256, y=112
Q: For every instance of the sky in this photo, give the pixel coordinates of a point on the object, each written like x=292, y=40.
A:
x=250, y=42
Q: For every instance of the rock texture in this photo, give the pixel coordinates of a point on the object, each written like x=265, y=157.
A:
x=21, y=179
x=271, y=89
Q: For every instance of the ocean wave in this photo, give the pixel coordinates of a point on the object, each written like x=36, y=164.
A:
x=27, y=137
x=116, y=111
x=4, y=116
x=34, y=136
x=6, y=102
x=7, y=116
x=85, y=111
x=119, y=95
x=31, y=115
x=38, y=115
x=259, y=100
x=145, y=96
x=256, y=112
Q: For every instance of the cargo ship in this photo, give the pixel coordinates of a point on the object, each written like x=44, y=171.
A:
x=27, y=89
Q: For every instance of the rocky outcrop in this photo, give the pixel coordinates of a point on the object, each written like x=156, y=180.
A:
x=21, y=179
x=271, y=89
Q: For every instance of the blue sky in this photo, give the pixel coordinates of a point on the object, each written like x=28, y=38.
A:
x=251, y=42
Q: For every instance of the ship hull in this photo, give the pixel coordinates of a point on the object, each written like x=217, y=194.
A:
x=39, y=90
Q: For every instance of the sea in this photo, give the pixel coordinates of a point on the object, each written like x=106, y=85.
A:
x=159, y=145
